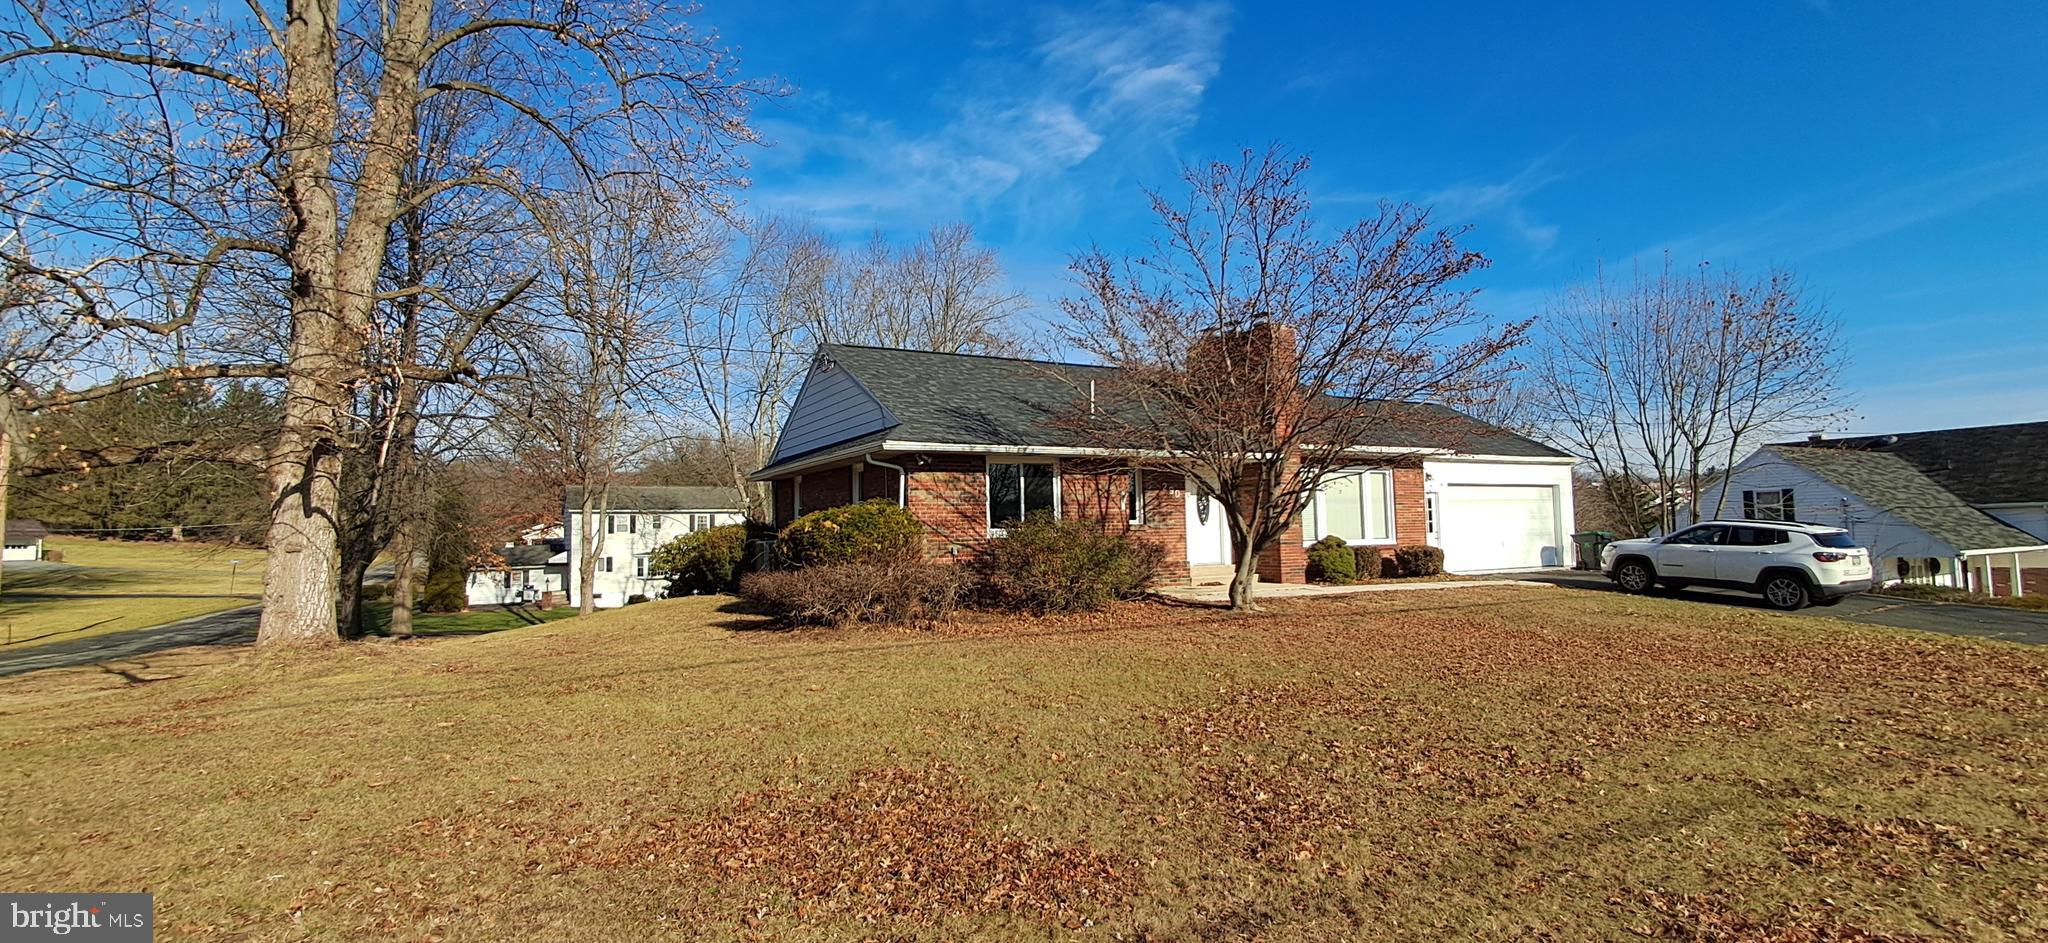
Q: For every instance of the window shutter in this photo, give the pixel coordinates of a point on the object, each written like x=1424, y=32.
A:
x=1749, y=505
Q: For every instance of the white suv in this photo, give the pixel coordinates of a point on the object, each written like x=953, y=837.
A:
x=1788, y=563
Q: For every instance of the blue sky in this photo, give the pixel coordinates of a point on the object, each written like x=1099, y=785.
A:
x=1895, y=154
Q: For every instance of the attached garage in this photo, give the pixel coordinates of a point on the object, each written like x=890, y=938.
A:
x=1500, y=527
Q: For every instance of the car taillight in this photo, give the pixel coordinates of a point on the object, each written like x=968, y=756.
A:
x=1826, y=556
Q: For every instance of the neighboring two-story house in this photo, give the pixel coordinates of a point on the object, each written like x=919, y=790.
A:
x=628, y=522
x=1952, y=507
x=964, y=444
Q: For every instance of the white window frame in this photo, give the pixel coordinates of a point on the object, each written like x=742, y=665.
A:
x=640, y=566
x=988, y=493
x=1386, y=477
x=612, y=519
x=701, y=522
x=651, y=522
x=607, y=567
x=1134, y=495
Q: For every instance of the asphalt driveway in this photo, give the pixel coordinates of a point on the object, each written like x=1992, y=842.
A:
x=2012, y=625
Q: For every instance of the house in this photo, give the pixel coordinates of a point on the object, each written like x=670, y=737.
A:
x=963, y=442
x=1952, y=507
x=628, y=522
x=24, y=540
x=524, y=573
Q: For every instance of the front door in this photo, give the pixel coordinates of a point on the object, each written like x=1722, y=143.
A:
x=1208, y=532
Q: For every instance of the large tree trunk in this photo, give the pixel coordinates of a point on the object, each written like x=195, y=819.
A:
x=1242, y=580
x=592, y=543
x=355, y=567
x=402, y=552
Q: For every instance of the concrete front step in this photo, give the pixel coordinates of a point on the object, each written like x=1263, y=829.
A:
x=1211, y=573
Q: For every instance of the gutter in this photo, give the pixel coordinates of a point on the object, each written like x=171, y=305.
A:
x=902, y=479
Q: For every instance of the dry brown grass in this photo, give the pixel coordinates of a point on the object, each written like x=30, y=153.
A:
x=1498, y=764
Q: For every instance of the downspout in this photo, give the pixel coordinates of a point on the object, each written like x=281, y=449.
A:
x=902, y=479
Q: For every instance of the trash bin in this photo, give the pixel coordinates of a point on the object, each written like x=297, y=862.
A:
x=1589, y=545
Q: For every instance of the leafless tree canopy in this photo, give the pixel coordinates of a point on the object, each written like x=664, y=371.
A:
x=1259, y=353
x=215, y=198
x=1663, y=378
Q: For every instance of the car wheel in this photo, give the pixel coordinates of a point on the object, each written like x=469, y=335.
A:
x=1634, y=576
x=1786, y=592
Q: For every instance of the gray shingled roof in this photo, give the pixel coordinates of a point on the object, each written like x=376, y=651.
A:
x=529, y=555
x=1890, y=483
x=965, y=399
x=1982, y=465
x=25, y=530
x=665, y=498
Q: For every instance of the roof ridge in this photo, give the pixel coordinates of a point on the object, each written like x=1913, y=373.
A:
x=1855, y=436
x=941, y=353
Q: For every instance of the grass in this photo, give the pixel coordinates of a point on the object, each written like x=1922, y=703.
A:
x=113, y=585
x=473, y=622
x=2035, y=601
x=1489, y=764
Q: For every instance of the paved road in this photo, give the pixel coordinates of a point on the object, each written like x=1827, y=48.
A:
x=2012, y=625
x=228, y=625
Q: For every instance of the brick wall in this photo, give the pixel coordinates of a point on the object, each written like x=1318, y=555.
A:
x=1411, y=516
x=1099, y=491
x=783, y=497
x=1284, y=560
x=949, y=495
x=827, y=488
x=878, y=482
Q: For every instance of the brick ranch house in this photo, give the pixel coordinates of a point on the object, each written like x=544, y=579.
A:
x=963, y=443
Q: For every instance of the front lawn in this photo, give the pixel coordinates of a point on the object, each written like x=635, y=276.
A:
x=1487, y=764
x=471, y=622
x=112, y=585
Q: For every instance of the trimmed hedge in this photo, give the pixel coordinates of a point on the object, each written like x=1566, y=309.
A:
x=1330, y=560
x=895, y=593
x=869, y=532
x=1418, y=560
x=1048, y=565
x=1368, y=563
x=706, y=561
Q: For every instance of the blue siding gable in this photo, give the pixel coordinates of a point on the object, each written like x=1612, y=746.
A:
x=831, y=407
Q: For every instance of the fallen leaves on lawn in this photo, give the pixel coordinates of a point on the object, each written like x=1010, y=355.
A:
x=1891, y=848
x=892, y=843
x=1710, y=918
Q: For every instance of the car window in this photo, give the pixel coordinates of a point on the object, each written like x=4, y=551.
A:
x=1708, y=535
x=1756, y=536
x=1836, y=538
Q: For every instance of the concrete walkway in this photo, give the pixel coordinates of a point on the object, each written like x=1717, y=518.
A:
x=1221, y=593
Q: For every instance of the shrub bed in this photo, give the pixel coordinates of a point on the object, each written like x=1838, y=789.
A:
x=1367, y=561
x=868, y=532
x=898, y=593
x=1331, y=560
x=706, y=561
x=1048, y=565
x=1418, y=560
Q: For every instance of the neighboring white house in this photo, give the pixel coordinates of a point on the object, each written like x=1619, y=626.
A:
x=525, y=572
x=1952, y=507
x=24, y=541
x=629, y=522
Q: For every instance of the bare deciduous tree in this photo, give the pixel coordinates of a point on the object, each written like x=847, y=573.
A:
x=183, y=161
x=1662, y=379
x=1257, y=354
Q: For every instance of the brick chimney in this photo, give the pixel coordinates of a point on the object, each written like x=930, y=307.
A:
x=1255, y=368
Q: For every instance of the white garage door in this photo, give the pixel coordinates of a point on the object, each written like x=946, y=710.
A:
x=1500, y=527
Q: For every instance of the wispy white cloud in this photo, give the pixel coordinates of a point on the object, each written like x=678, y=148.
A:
x=1108, y=81
x=1857, y=212
x=1481, y=203
x=1503, y=202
